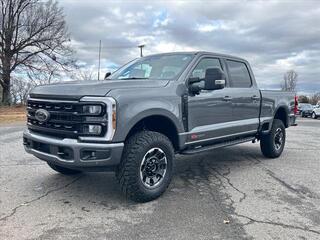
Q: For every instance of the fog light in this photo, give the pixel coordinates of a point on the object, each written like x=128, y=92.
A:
x=88, y=155
x=92, y=129
x=91, y=109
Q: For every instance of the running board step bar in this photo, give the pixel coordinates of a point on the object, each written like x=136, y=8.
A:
x=215, y=146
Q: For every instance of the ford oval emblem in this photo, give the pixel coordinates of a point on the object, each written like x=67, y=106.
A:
x=42, y=115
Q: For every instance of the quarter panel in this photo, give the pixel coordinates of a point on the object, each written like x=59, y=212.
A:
x=272, y=101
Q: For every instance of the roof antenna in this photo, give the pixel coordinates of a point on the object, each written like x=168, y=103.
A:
x=141, y=47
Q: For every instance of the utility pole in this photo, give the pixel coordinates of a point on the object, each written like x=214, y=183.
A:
x=141, y=47
x=99, y=60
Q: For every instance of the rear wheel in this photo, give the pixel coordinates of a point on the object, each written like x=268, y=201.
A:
x=272, y=144
x=63, y=170
x=146, y=167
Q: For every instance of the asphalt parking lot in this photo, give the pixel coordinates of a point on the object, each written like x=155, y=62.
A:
x=230, y=193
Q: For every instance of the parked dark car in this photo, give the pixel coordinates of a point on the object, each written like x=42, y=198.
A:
x=148, y=111
x=306, y=110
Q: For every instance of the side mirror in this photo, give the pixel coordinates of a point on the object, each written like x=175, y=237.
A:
x=214, y=79
x=107, y=75
x=196, y=87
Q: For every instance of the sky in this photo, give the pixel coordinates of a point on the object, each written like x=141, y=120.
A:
x=274, y=36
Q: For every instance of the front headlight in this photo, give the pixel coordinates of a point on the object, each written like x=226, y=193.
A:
x=91, y=109
x=95, y=108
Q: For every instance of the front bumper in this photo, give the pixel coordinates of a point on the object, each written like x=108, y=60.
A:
x=306, y=113
x=71, y=153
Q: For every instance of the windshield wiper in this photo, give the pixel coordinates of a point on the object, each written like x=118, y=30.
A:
x=133, y=78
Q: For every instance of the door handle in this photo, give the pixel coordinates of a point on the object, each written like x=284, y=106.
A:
x=255, y=98
x=227, y=98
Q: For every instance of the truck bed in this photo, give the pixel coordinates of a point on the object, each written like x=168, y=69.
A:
x=272, y=100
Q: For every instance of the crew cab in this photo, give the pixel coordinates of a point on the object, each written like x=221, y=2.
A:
x=141, y=116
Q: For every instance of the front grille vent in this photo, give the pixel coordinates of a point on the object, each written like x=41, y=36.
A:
x=65, y=118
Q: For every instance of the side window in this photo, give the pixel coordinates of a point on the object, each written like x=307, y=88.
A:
x=205, y=63
x=239, y=74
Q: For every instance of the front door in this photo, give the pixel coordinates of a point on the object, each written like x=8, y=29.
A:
x=210, y=112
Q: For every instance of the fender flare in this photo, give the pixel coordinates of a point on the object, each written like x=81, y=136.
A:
x=285, y=107
x=150, y=113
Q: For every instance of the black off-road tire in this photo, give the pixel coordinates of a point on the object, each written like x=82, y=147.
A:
x=267, y=142
x=128, y=172
x=63, y=170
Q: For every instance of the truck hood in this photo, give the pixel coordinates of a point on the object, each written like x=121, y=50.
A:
x=78, y=89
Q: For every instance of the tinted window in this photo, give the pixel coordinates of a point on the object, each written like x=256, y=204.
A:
x=239, y=74
x=200, y=70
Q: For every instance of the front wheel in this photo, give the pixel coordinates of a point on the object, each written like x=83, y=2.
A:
x=146, y=167
x=314, y=116
x=272, y=144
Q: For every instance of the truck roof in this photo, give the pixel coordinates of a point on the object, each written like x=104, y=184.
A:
x=201, y=53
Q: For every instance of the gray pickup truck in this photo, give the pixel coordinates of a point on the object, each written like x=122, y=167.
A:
x=136, y=120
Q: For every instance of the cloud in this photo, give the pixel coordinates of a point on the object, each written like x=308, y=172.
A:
x=274, y=36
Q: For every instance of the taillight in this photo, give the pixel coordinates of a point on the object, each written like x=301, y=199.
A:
x=295, y=110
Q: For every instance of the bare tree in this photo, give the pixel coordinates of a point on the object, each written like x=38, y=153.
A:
x=290, y=81
x=315, y=98
x=303, y=99
x=23, y=83
x=49, y=74
x=82, y=74
x=19, y=90
x=33, y=34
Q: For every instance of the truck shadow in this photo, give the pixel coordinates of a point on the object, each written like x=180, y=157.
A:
x=102, y=189
x=212, y=167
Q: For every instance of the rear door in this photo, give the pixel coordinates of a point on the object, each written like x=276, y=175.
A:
x=245, y=97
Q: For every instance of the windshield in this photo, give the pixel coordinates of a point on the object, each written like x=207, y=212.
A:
x=156, y=67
